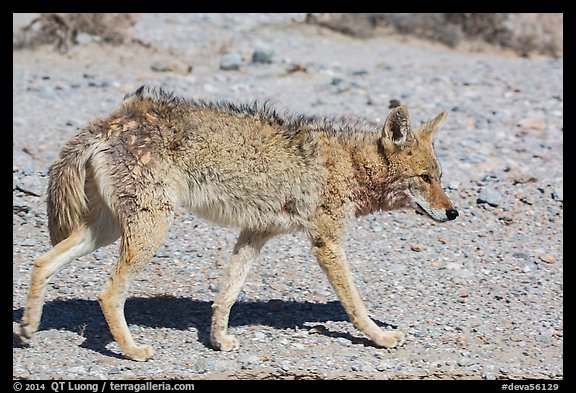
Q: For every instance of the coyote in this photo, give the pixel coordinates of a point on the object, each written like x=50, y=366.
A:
x=239, y=165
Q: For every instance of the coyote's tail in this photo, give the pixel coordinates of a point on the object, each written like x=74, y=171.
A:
x=67, y=202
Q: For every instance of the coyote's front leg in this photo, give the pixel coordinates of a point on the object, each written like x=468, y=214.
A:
x=331, y=258
x=245, y=253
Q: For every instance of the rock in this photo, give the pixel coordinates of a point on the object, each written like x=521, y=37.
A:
x=384, y=365
x=397, y=268
x=280, y=287
x=262, y=56
x=163, y=66
x=490, y=196
x=375, y=226
x=353, y=24
x=317, y=329
x=296, y=67
x=114, y=370
x=416, y=248
x=336, y=81
x=489, y=178
x=83, y=38
x=231, y=61
x=474, y=158
x=464, y=273
x=162, y=253
x=442, y=239
x=558, y=195
x=77, y=370
x=527, y=200
x=201, y=365
x=453, y=185
x=102, y=84
x=259, y=335
x=249, y=360
x=535, y=123
x=547, y=258
x=20, y=209
x=367, y=368
x=522, y=179
x=28, y=243
x=223, y=365
x=376, y=99
x=465, y=362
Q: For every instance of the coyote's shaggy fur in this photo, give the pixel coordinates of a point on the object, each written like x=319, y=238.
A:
x=238, y=165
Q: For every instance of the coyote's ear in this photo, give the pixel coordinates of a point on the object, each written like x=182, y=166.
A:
x=397, y=128
x=429, y=128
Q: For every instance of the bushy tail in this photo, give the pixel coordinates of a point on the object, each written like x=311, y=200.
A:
x=67, y=202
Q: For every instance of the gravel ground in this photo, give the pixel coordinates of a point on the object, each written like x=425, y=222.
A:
x=479, y=298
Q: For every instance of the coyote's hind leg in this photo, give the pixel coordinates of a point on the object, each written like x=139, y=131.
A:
x=140, y=240
x=81, y=242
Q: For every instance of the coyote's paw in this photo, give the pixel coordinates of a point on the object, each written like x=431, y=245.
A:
x=23, y=334
x=389, y=339
x=226, y=343
x=139, y=353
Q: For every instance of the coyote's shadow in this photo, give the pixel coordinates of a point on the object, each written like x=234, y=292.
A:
x=85, y=317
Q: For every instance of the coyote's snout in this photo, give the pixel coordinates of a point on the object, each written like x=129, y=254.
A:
x=238, y=165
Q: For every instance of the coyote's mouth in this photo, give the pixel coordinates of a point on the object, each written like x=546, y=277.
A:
x=419, y=209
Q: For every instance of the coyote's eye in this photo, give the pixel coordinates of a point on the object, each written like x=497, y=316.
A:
x=426, y=178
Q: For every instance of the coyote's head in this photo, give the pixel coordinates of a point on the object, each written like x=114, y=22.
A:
x=411, y=159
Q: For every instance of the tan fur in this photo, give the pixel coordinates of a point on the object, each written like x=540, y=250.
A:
x=238, y=165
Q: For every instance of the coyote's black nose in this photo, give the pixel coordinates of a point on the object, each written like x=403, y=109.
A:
x=451, y=213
